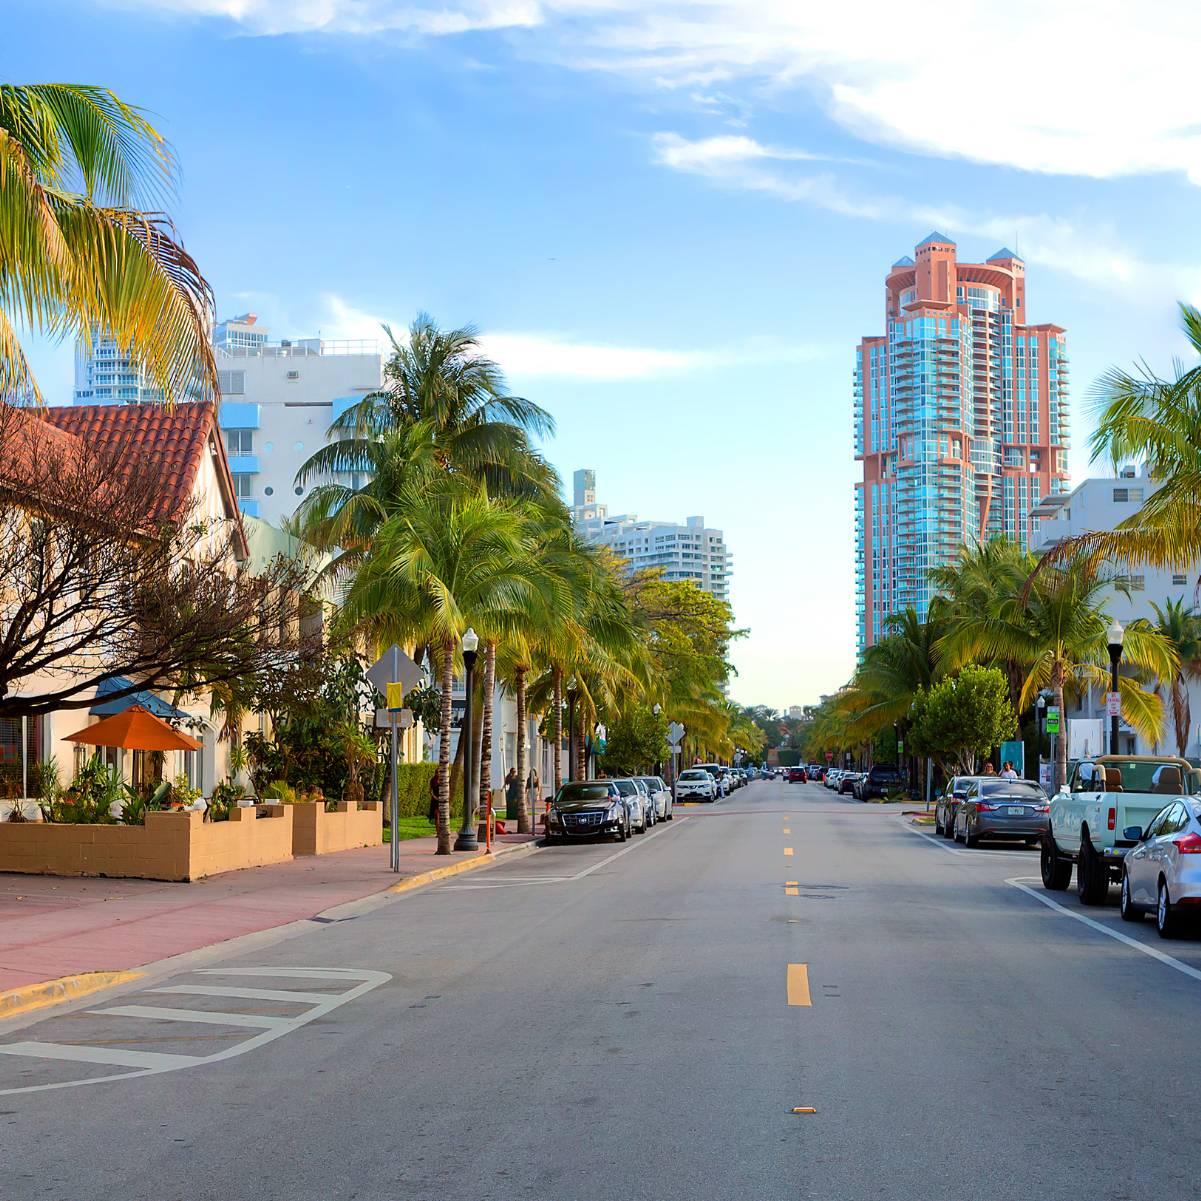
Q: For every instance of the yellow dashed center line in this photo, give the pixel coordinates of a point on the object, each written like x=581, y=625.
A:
x=798, y=984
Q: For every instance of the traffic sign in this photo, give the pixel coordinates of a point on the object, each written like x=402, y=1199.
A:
x=394, y=667
x=1113, y=704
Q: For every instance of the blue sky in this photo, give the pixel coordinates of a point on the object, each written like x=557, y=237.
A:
x=671, y=221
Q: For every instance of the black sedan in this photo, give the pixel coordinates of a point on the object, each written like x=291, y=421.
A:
x=586, y=809
x=1016, y=809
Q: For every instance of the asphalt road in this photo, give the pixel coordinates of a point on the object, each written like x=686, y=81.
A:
x=614, y=1022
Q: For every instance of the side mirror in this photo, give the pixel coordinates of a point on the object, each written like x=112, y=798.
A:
x=1133, y=834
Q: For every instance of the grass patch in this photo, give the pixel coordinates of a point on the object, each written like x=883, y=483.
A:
x=411, y=827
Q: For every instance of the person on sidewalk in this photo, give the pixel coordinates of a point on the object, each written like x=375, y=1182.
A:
x=512, y=794
x=533, y=786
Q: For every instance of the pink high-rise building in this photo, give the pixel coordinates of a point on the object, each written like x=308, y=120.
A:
x=961, y=423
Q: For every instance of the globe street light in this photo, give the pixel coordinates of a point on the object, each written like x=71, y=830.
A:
x=467, y=840
x=1115, y=635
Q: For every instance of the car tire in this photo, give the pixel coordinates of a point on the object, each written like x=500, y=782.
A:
x=1056, y=870
x=969, y=839
x=1167, y=921
x=1127, y=907
x=1092, y=876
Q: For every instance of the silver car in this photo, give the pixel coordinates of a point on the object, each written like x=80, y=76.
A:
x=1161, y=874
x=635, y=799
x=661, y=796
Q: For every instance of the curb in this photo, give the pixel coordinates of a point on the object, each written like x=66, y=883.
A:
x=53, y=992
x=453, y=869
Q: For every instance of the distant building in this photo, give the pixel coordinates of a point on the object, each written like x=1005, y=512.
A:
x=961, y=423
x=688, y=551
x=278, y=400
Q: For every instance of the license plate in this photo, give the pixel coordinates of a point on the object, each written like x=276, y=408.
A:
x=1016, y=810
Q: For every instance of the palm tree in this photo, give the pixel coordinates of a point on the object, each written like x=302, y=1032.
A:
x=448, y=558
x=1057, y=629
x=91, y=261
x=1158, y=421
x=442, y=385
x=1181, y=629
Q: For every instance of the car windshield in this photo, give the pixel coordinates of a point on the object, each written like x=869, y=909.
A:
x=583, y=791
x=1150, y=776
x=1013, y=788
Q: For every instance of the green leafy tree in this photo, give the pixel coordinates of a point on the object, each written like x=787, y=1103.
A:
x=961, y=718
x=636, y=742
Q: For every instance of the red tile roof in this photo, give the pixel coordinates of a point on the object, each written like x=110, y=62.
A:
x=172, y=441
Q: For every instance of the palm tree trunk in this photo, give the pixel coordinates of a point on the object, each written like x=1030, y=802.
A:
x=1061, y=741
x=581, y=768
x=525, y=823
x=485, y=777
x=448, y=661
x=558, y=678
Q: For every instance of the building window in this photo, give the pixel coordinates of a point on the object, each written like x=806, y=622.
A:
x=242, y=485
x=239, y=442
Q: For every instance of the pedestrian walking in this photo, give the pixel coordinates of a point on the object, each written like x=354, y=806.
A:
x=512, y=794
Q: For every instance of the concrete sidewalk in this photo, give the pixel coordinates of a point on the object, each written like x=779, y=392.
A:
x=55, y=926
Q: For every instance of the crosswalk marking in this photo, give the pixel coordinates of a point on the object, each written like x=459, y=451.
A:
x=147, y=1063
x=115, y=1056
x=204, y=1016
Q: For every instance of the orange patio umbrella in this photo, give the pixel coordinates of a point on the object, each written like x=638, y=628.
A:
x=136, y=730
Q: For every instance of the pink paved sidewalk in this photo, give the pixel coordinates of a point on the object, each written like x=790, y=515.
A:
x=52, y=926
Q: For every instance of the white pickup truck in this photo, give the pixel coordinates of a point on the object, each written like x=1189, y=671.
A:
x=1105, y=796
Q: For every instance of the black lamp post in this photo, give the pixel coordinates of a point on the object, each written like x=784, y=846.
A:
x=1115, y=634
x=467, y=840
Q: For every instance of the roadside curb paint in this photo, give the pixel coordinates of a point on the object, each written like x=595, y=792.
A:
x=453, y=869
x=53, y=992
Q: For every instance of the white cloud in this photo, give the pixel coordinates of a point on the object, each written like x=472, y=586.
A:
x=1085, y=87
x=1059, y=242
x=542, y=355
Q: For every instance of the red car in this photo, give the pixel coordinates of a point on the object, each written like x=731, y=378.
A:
x=797, y=773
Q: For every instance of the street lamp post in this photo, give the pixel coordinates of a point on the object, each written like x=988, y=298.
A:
x=467, y=840
x=1115, y=635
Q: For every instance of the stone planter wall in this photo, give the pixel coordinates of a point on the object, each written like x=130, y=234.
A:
x=170, y=846
x=315, y=832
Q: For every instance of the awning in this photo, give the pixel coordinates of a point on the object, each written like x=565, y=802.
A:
x=148, y=701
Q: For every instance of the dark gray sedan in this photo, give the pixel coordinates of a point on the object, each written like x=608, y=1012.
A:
x=995, y=808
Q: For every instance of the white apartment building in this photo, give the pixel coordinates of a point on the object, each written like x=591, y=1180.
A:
x=1102, y=504
x=277, y=402
x=108, y=374
x=688, y=551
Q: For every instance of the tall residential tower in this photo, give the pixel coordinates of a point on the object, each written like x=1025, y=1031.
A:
x=961, y=423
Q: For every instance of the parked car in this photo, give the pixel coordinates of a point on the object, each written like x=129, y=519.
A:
x=696, y=784
x=1105, y=798
x=1162, y=871
x=879, y=780
x=797, y=775
x=947, y=805
x=660, y=796
x=636, y=799
x=586, y=808
x=996, y=808
x=847, y=782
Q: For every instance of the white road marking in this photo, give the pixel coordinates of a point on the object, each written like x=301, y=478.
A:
x=642, y=841
x=152, y=1063
x=1154, y=952
x=952, y=848
x=120, y=1057
x=203, y=1016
